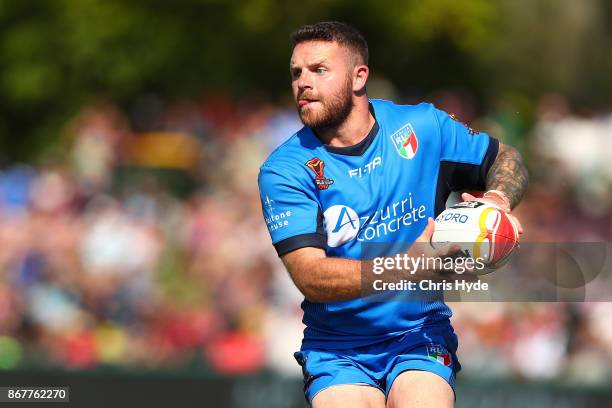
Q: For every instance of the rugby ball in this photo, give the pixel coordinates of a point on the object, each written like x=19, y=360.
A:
x=482, y=231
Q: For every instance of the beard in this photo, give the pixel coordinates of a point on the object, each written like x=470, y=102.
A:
x=333, y=110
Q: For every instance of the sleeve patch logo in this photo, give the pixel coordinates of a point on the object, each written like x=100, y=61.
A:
x=317, y=166
x=470, y=130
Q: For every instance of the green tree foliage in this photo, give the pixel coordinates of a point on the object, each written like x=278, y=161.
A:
x=56, y=56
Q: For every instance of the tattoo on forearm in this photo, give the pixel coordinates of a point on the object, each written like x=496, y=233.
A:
x=508, y=174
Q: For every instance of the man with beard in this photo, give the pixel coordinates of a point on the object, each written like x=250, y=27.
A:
x=363, y=179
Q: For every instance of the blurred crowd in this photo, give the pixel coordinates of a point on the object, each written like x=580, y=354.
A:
x=104, y=262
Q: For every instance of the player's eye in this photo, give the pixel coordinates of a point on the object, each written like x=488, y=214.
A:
x=295, y=73
x=321, y=70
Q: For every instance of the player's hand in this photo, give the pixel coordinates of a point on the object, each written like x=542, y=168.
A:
x=424, y=248
x=424, y=242
x=496, y=200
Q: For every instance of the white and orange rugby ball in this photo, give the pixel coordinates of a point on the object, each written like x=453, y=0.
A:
x=482, y=231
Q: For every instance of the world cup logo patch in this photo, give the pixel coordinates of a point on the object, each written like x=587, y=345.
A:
x=470, y=130
x=317, y=166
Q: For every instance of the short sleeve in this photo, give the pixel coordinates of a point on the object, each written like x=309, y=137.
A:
x=468, y=154
x=294, y=219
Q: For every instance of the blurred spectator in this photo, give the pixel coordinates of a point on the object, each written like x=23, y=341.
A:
x=92, y=274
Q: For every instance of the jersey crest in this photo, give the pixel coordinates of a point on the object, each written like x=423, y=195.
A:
x=406, y=142
x=317, y=166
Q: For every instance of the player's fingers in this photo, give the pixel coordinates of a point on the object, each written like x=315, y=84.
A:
x=467, y=197
x=501, y=204
x=428, y=231
x=516, y=222
x=447, y=249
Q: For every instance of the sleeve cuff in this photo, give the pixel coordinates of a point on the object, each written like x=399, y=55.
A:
x=489, y=158
x=314, y=239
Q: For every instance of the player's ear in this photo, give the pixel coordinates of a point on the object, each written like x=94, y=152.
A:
x=360, y=77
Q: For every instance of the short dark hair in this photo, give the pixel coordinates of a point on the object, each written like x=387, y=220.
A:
x=333, y=31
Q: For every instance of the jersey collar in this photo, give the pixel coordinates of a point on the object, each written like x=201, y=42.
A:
x=360, y=148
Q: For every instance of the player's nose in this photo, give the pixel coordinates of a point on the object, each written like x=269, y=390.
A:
x=304, y=80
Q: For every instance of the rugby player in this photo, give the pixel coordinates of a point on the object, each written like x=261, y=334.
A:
x=364, y=177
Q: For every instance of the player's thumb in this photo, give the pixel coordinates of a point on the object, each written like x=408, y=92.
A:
x=467, y=197
x=428, y=231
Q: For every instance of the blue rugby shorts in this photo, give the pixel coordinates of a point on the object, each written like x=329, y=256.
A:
x=378, y=365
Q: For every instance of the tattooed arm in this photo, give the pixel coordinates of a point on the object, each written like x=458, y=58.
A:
x=508, y=175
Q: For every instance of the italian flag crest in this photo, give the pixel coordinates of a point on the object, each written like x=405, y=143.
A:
x=439, y=354
x=405, y=141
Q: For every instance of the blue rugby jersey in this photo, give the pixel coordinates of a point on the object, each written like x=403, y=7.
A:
x=381, y=191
